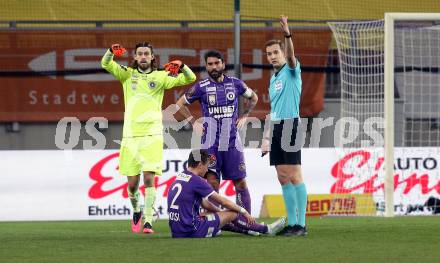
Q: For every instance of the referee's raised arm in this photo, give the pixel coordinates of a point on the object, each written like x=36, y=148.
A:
x=283, y=147
x=288, y=43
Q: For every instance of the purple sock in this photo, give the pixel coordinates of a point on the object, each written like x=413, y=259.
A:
x=241, y=222
x=243, y=198
x=232, y=228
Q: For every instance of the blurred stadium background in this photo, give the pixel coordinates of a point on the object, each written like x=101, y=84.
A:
x=51, y=48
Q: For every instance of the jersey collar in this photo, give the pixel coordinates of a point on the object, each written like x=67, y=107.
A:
x=278, y=71
x=144, y=72
x=225, y=77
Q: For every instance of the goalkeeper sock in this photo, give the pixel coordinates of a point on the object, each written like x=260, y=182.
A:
x=289, y=195
x=243, y=199
x=134, y=199
x=301, y=197
x=150, y=198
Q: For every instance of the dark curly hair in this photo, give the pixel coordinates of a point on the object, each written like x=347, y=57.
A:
x=153, y=61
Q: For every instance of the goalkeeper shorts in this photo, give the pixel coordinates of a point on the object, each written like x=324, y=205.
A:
x=139, y=154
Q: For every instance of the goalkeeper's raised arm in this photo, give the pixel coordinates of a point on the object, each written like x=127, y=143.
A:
x=142, y=137
x=179, y=74
x=120, y=72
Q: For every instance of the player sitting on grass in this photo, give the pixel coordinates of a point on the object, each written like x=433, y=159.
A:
x=189, y=192
x=211, y=178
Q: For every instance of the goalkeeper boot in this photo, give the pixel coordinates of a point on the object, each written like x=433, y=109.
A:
x=136, y=222
x=277, y=226
x=299, y=231
x=148, y=229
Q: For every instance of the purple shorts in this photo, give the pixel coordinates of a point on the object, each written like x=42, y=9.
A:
x=206, y=226
x=229, y=164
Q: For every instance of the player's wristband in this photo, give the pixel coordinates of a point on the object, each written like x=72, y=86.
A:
x=185, y=70
x=288, y=36
x=191, y=120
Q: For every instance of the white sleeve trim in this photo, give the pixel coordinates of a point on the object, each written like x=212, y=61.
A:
x=186, y=100
x=206, y=197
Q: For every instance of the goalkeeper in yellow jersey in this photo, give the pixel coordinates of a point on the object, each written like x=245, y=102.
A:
x=142, y=139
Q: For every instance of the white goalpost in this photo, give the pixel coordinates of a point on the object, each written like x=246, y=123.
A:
x=388, y=64
x=390, y=19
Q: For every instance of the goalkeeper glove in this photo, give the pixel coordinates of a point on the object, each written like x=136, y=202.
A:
x=173, y=67
x=117, y=50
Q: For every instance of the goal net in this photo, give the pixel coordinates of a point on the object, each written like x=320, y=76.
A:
x=389, y=137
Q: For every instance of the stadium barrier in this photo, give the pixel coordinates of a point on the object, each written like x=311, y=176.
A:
x=86, y=185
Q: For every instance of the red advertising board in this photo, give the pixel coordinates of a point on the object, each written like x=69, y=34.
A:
x=50, y=97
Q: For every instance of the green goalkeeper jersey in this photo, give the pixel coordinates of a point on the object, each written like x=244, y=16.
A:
x=143, y=95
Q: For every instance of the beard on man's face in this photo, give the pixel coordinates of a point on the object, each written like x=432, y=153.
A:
x=144, y=65
x=215, y=74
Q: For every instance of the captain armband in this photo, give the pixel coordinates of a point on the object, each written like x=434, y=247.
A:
x=248, y=93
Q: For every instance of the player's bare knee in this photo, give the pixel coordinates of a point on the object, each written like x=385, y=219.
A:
x=283, y=179
x=133, y=183
x=226, y=217
x=296, y=176
x=240, y=184
x=148, y=179
x=283, y=176
x=149, y=182
x=231, y=216
x=132, y=188
x=296, y=179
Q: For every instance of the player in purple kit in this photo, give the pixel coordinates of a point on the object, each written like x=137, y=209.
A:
x=218, y=96
x=189, y=192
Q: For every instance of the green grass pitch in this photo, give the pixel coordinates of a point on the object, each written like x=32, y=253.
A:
x=342, y=239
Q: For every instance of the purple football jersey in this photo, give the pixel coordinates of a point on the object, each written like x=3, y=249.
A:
x=184, y=202
x=219, y=103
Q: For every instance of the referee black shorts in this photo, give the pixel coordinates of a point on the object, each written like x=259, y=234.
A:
x=283, y=149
